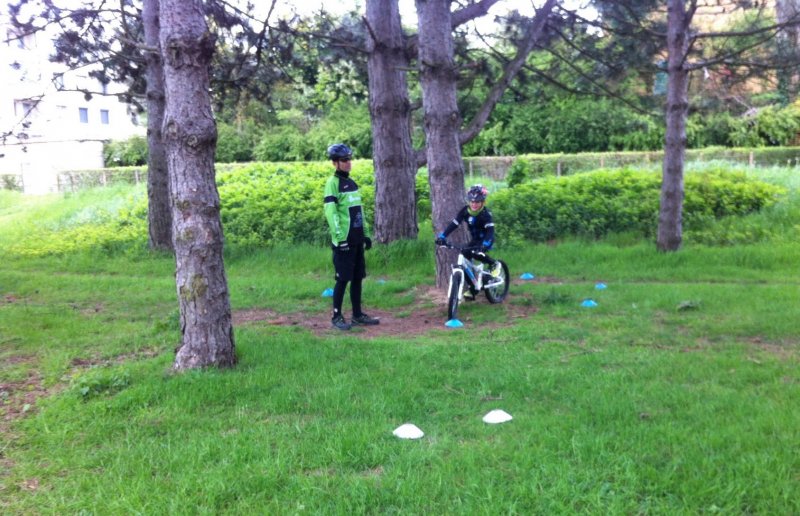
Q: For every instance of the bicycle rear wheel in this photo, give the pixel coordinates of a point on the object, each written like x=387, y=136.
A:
x=454, y=295
x=497, y=294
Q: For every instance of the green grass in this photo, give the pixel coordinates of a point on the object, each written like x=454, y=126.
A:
x=635, y=406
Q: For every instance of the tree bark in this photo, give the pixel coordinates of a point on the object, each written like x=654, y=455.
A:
x=190, y=135
x=442, y=121
x=159, y=214
x=789, y=46
x=670, y=231
x=390, y=110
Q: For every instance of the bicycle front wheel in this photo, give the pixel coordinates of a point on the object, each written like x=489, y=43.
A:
x=454, y=295
x=497, y=291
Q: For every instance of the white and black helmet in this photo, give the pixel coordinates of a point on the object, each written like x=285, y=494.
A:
x=477, y=193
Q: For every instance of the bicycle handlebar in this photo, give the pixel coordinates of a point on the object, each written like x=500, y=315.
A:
x=460, y=247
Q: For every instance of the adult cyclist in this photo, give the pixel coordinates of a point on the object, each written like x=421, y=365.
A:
x=349, y=237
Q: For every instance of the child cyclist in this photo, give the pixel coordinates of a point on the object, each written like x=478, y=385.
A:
x=481, y=229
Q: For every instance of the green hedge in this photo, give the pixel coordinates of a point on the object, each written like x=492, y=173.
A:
x=622, y=200
x=513, y=170
x=267, y=203
x=125, y=153
x=530, y=166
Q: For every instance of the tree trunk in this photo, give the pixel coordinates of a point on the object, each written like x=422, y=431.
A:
x=670, y=231
x=442, y=121
x=159, y=216
x=787, y=11
x=191, y=136
x=390, y=110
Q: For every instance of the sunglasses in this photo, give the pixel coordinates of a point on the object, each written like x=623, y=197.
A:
x=344, y=160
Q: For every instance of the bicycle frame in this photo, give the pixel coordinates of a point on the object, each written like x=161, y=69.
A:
x=467, y=271
x=470, y=272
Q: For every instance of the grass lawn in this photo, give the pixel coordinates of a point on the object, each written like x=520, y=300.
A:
x=678, y=393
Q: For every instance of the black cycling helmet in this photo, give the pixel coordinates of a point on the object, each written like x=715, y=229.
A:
x=339, y=151
x=477, y=193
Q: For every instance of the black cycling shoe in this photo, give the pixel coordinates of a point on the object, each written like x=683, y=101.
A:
x=340, y=324
x=365, y=320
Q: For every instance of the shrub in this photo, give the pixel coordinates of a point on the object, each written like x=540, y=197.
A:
x=610, y=201
x=11, y=182
x=537, y=165
x=642, y=133
x=519, y=170
x=235, y=144
x=125, y=153
x=283, y=143
x=269, y=203
x=769, y=126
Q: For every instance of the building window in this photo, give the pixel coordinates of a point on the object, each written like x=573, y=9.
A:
x=104, y=116
x=84, y=114
x=58, y=80
x=104, y=88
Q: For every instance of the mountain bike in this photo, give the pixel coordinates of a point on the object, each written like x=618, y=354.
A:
x=470, y=273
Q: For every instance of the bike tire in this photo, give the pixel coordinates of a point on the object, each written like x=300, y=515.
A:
x=498, y=294
x=453, y=296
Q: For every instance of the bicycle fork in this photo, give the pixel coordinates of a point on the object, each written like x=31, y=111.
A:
x=457, y=271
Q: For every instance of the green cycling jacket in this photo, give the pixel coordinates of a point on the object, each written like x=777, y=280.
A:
x=344, y=211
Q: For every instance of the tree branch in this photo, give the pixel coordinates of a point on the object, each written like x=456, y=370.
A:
x=511, y=70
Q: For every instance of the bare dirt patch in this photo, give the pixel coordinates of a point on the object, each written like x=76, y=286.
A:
x=428, y=313
x=19, y=397
x=786, y=351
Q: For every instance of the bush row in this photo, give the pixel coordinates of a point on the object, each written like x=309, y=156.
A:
x=531, y=166
x=283, y=202
x=622, y=200
x=567, y=124
x=513, y=170
x=583, y=125
x=266, y=204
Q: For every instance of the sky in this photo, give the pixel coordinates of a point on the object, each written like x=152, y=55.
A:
x=407, y=9
x=408, y=12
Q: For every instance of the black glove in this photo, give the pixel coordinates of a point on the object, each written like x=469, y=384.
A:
x=343, y=246
x=440, y=241
x=367, y=243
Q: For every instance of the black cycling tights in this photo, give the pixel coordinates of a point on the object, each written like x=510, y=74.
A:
x=355, y=296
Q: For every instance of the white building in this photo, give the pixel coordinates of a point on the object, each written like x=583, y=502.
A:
x=45, y=125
